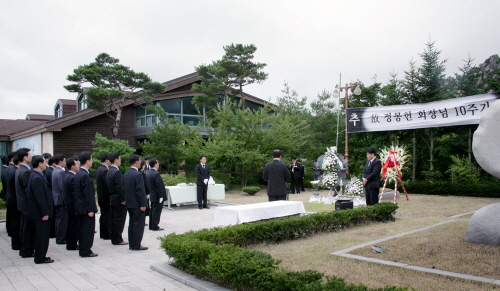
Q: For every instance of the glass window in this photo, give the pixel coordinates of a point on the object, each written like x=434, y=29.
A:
x=81, y=102
x=171, y=105
x=140, y=111
x=58, y=111
x=191, y=120
x=252, y=105
x=188, y=106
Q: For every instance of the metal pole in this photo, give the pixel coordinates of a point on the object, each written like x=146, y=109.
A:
x=338, y=117
x=346, y=154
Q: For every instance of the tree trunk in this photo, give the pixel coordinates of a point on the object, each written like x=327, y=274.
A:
x=414, y=167
x=243, y=105
x=116, y=125
x=431, y=151
x=469, y=148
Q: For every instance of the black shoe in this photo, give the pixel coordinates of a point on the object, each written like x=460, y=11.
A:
x=141, y=248
x=146, y=224
x=206, y=206
x=73, y=249
x=158, y=229
x=45, y=261
x=90, y=256
x=28, y=256
x=61, y=242
x=105, y=238
x=200, y=207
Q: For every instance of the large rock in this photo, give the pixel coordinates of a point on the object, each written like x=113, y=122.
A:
x=483, y=227
x=485, y=143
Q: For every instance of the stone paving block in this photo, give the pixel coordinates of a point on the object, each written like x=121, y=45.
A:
x=128, y=287
x=62, y=284
x=24, y=286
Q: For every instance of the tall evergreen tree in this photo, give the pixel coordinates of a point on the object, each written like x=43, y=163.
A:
x=228, y=75
x=108, y=85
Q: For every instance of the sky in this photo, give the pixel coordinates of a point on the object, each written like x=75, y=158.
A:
x=307, y=44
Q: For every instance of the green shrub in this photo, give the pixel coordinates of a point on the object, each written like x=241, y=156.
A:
x=217, y=253
x=485, y=189
x=172, y=180
x=250, y=190
x=221, y=178
x=3, y=204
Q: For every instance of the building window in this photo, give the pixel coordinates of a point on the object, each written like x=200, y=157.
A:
x=82, y=104
x=58, y=111
x=143, y=118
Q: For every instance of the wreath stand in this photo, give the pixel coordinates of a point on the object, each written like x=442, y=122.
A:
x=392, y=163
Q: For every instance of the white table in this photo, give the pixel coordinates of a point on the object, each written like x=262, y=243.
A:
x=188, y=194
x=232, y=215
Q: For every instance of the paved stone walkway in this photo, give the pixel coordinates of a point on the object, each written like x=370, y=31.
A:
x=116, y=267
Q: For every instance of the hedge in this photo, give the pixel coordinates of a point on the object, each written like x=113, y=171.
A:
x=217, y=254
x=486, y=189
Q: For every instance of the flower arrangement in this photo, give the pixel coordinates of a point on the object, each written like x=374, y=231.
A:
x=401, y=158
x=355, y=187
x=330, y=179
x=330, y=162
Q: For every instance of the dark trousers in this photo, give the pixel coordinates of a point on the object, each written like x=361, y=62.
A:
x=276, y=197
x=87, y=228
x=295, y=184
x=119, y=215
x=42, y=233
x=202, y=195
x=135, y=227
x=105, y=220
x=73, y=231
x=61, y=224
x=371, y=195
x=27, y=234
x=53, y=224
x=155, y=215
x=9, y=219
x=15, y=226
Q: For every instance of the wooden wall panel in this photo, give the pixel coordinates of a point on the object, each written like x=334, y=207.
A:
x=77, y=138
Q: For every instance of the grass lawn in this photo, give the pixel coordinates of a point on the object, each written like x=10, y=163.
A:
x=442, y=247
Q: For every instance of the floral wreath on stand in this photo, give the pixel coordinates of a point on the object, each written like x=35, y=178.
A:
x=395, y=158
x=331, y=165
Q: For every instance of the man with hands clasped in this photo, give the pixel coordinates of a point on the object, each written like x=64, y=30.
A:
x=202, y=176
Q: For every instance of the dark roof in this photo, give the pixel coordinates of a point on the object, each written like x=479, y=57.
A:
x=67, y=101
x=39, y=117
x=11, y=126
x=79, y=116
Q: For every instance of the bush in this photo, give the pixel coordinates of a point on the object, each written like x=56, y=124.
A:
x=172, y=180
x=217, y=253
x=485, y=189
x=3, y=204
x=221, y=178
x=250, y=190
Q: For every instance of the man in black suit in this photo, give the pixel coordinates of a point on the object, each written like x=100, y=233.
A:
x=114, y=180
x=27, y=226
x=61, y=215
x=13, y=213
x=296, y=173
x=48, y=171
x=276, y=174
x=5, y=182
x=157, y=194
x=85, y=206
x=73, y=229
x=103, y=197
x=135, y=195
x=40, y=204
x=202, y=176
x=371, y=176
x=4, y=175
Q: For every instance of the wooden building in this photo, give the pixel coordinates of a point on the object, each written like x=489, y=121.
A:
x=74, y=127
